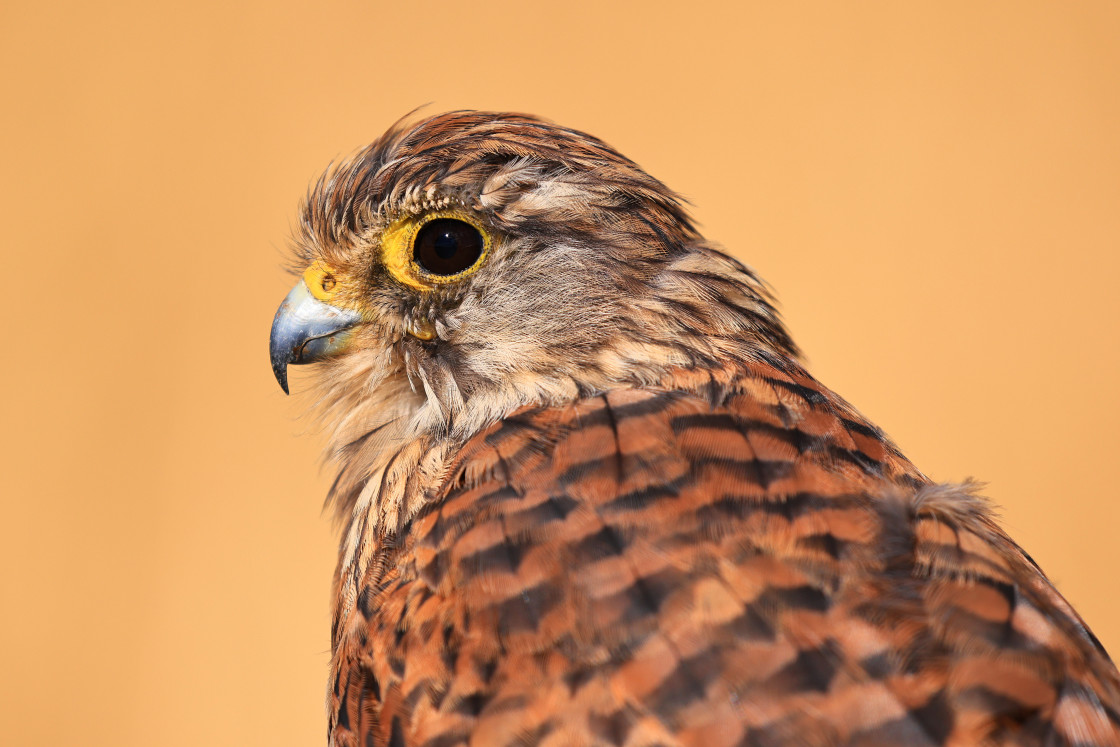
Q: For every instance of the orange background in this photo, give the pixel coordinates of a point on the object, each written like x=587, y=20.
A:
x=932, y=188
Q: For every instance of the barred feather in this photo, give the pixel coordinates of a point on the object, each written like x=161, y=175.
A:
x=607, y=505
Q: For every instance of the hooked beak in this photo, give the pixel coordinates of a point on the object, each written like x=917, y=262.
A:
x=306, y=330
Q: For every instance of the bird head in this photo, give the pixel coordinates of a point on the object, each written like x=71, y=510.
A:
x=471, y=263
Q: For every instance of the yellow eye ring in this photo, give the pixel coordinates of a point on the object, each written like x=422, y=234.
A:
x=398, y=249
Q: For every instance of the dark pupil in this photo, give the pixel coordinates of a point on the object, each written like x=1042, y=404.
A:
x=446, y=246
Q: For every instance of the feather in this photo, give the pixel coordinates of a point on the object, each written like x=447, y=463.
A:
x=607, y=505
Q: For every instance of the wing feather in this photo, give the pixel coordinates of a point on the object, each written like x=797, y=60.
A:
x=736, y=558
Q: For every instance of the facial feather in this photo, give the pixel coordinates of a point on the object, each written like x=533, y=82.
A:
x=597, y=278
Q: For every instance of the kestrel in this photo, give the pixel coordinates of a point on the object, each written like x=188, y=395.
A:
x=589, y=495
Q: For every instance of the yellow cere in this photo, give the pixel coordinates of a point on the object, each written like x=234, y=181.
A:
x=321, y=281
x=396, y=249
x=329, y=286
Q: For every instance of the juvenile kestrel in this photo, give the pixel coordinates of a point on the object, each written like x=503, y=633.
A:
x=590, y=496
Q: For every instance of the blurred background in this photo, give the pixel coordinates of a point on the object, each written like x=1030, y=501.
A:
x=932, y=189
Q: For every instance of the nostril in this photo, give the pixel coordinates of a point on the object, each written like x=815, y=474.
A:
x=328, y=283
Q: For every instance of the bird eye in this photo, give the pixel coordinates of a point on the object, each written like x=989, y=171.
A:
x=446, y=246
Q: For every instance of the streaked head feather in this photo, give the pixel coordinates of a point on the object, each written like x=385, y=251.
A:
x=599, y=279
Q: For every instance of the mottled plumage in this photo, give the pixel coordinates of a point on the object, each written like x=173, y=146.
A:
x=590, y=496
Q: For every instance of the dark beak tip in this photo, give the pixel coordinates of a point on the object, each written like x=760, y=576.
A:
x=280, y=344
x=280, y=358
x=280, y=371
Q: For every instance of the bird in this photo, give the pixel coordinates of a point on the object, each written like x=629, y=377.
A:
x=588, y=493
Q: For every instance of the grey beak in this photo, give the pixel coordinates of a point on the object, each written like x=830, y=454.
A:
x=306, y=330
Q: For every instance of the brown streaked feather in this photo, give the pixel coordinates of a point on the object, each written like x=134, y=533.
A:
x=605, y=504
x=500, y=161
x=732, y=558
